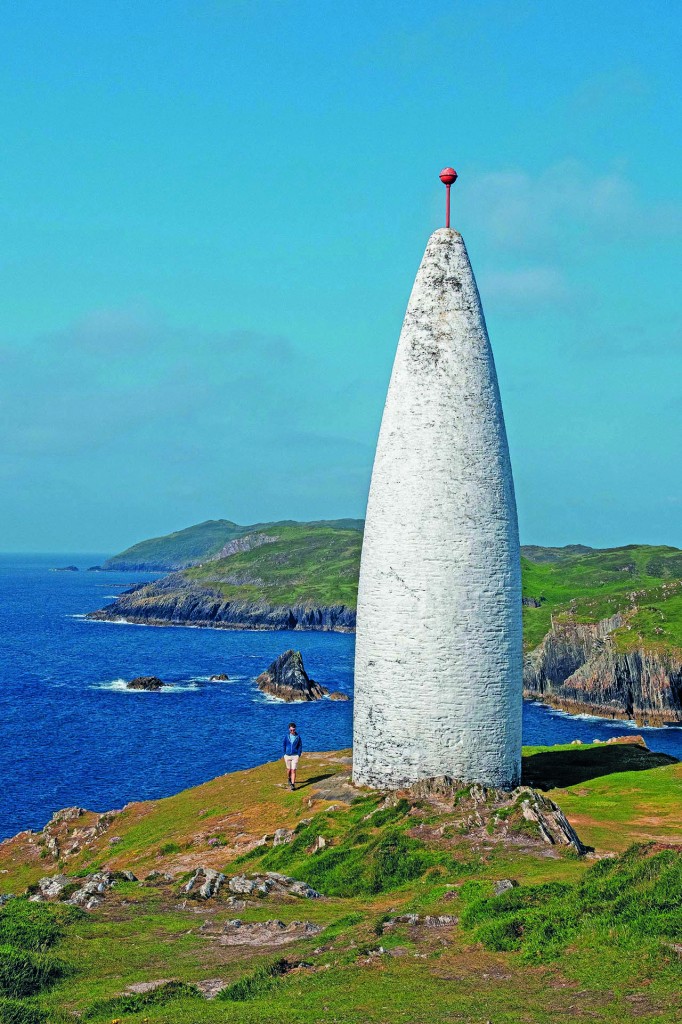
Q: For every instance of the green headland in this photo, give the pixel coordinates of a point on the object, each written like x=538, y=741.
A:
x=428, y=907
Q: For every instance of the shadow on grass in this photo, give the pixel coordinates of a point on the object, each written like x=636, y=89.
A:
x=556, y=769
x=313, y=779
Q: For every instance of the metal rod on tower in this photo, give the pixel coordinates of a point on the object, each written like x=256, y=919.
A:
x=448, y=176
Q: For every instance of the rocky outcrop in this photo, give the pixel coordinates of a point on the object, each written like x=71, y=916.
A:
x=579, y=669
x=145, y=683
x=69, y=831
x=88, y=892
x=553, y=825
x=177, y=600
x=243, y=544
x=288, y=680
x=272, y=884
x=259, y=933
x=205, y=883
x=500, y=815
x=427, y=920
x=221, y=677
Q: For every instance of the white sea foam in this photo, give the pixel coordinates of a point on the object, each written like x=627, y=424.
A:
x=121, y=686
x=266, y=698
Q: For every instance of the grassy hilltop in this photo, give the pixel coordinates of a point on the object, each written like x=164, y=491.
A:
x=316, y=563
x=408, y=926
x=198, y=543
x=640, y=580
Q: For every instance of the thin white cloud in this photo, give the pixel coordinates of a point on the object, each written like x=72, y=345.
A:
x=525, y=290
x=521, y=213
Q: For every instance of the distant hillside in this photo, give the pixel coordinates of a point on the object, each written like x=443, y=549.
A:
x=639, y=581
x=535, y=553
x=198, y=543
x=604, y=633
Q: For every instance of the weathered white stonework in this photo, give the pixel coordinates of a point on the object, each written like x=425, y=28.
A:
x=438, y=664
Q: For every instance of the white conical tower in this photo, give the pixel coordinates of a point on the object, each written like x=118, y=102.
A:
x=438, y=650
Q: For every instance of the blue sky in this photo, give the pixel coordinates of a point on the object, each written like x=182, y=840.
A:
x=212, y=214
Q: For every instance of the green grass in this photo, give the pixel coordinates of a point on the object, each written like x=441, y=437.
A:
x=136, y=1002
x=26, y=974
x=368, y=857
x=591, y=586
x=256, y=984
x=34, y=926
x=629, y=902
x=577, y=939
x=308, y=563
x=26, y=931
x=20, y=1011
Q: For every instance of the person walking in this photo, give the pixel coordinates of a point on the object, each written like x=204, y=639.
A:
x=293, y=747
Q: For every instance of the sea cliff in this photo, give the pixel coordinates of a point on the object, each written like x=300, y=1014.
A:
x=579, y=668
x=176, y=600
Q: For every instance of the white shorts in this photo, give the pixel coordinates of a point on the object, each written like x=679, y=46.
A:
x=291, y=761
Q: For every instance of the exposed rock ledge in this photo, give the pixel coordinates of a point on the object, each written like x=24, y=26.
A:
x=577, y=669
x=177, y=601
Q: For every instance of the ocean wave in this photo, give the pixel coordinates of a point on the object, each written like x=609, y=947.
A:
x=121, y=686
x=266, y=698
x=209, y=679
x=146, y=625
x=618, y=723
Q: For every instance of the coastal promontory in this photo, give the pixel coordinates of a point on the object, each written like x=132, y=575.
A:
x=239, y=900
x=287, y=576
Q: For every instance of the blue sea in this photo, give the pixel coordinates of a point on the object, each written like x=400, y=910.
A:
x=72, y=734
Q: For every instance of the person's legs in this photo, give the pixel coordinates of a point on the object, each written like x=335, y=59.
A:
x=292, y=773
x=287, y=761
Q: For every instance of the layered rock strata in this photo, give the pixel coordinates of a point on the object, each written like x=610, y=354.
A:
x=578, y=668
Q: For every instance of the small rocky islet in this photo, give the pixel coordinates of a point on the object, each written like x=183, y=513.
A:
x=287, y=679
x=150, y=683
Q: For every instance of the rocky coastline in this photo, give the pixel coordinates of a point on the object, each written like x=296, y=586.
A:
x=578, y=668
x=178, y=601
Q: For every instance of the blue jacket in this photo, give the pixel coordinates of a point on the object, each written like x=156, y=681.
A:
x=292, y=744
